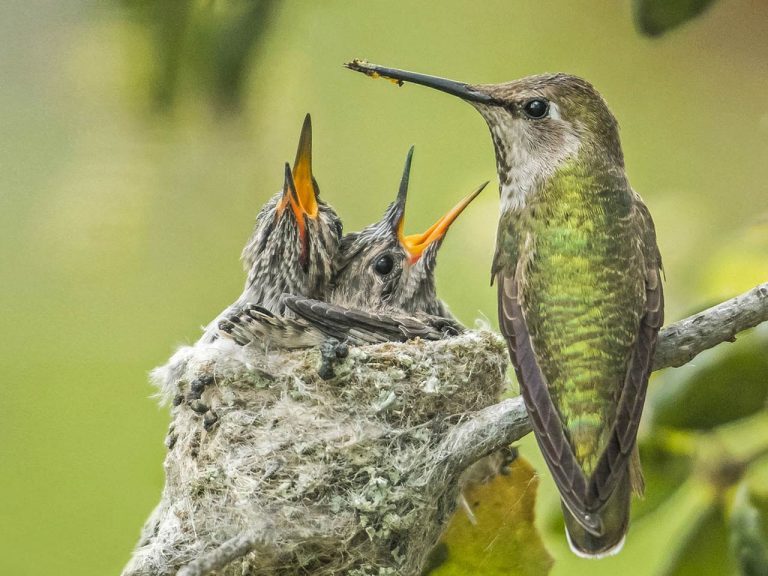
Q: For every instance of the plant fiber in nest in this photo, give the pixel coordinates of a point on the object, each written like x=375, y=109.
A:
x=350, y=475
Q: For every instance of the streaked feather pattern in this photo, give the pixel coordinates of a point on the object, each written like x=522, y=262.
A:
x=316, y=321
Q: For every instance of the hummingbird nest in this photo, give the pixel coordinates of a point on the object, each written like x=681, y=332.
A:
x=273, y=470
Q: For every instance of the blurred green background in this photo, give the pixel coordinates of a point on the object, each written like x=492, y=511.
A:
x=139, y=139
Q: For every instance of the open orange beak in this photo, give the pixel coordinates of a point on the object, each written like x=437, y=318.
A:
x=300, y=189
x=306, y=187
x=416, y=244
x=291, y=198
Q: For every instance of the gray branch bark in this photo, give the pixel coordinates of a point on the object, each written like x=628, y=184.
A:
x=683, y=340
x=272, y=470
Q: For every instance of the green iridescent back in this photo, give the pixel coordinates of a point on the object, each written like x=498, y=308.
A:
x=582, y=291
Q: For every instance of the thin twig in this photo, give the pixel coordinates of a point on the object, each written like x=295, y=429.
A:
x=221, y=556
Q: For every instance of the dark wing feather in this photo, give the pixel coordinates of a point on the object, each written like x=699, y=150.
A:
x=254, y=324
x=585, y=497
x=363, y=327
x=546, y=422
x=612, y=464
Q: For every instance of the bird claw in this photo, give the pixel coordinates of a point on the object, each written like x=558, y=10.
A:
x=209, y=420
x=508, y=456
x=331, y=351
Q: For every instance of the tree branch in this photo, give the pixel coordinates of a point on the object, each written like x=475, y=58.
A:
x=497, y=426
x=488, y=430
x=273, y=471
x=683, y=340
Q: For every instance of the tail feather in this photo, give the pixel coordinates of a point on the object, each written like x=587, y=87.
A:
x=614, y=518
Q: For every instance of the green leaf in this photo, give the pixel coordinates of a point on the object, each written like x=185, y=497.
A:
x=168, y=23
x=208, y=45
x=748, y=521
x=704, y=552
x=501, y=538
x=732, y=385
x=227, y=42
x=655, y=17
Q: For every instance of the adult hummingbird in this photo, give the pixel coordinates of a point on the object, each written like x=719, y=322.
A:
x=383, y=287
x=293, y=244
x=579, y=293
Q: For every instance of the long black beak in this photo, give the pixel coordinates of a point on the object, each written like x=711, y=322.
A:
x=460, y=89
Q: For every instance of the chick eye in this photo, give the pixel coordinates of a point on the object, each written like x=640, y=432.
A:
x=384, y=265
x=536, y=108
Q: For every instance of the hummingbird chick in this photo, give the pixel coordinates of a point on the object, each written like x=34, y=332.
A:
x=579, y=289
x=383, y=288
x=382, y=269
x=293, y=244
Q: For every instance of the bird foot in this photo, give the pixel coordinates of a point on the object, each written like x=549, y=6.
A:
x=331, y=352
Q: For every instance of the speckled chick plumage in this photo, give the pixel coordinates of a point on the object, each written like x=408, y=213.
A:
x=280, y=259
x=382, y=288
x=408, y=287
x=293, y=244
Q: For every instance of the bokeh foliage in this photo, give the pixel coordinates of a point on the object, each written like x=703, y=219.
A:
x=655, y=17
x=205, y=46
x=127, y=195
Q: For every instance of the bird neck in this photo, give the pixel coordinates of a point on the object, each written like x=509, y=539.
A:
x=419, y=294
x=522, y=170
x=269, y=278
x=272, y=262
x=578, y=167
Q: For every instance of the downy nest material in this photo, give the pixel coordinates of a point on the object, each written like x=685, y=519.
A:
x=341, y=476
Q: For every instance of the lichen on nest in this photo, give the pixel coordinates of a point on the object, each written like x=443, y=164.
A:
x=337, y=476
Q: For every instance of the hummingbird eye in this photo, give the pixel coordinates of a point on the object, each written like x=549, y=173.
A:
x=339, y=228
x=536, y=108
x=384, y=265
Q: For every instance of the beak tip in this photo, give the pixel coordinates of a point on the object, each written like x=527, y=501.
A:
x=359, y=65
x=402, y=193
x=303, y=179
x=464, y=91
x=288, y=176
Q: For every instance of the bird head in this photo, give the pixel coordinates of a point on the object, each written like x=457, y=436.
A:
x=296, y=235
x=537, y=123
x=381, y=267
